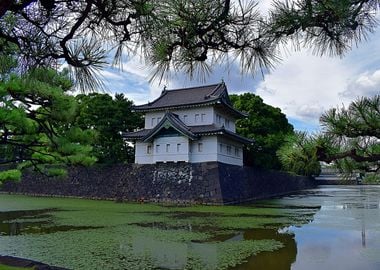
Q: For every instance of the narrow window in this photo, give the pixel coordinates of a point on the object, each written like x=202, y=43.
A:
x=167, y=148
x=227, y=123
x=178, y=147
x=203, y=117
x=237, y=151
x=158, y=119
x=221, y=148
x=153, y=119
x=218, y=119
x=196, y=118
x=185, y=118
x=149, y=149
x=157, y=148
x=200, y=147
x=228, y=149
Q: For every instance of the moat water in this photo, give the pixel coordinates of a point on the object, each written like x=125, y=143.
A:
x=331, y=227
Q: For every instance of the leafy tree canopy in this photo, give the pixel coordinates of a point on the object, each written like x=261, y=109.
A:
x=265, y=124
x=35, y=122
x=109, y=117
x=178, y=34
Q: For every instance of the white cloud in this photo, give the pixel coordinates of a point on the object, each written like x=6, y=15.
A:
x=108, y=75
x=366, y=84
x=264, y=6
x=303, y=86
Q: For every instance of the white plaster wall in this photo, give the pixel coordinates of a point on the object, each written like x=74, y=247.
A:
x=141, y=156
x=155, y=116
x=209, y=115
x=229, y=158
x=168, y=149
x=189, y=150
x=205, y=116
x=224, y=117
x=207, y=112
x=209, y=150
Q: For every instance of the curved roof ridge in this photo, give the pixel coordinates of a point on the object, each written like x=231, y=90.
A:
x=195, y=87
x=216, y=89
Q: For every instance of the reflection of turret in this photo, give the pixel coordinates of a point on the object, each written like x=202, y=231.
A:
x=172, y=255
x=281, y=259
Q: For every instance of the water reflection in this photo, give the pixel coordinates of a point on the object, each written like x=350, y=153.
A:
x=15, y=223
x=172, y=255
x=281, y=259
x=345, y=234
x=335, y=228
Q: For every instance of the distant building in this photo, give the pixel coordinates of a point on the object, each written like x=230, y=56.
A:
x=190, y=125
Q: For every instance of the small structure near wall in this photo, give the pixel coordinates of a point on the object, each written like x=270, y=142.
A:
x=192, y=125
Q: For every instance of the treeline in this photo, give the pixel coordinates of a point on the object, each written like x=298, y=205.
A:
x=44, y=127
x=98, y=118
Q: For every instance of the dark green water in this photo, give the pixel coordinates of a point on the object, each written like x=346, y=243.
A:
x=324, y=228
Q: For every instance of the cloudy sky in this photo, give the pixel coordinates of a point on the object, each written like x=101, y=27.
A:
x=302, y=85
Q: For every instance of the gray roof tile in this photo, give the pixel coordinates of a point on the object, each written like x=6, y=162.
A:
x=186, y=97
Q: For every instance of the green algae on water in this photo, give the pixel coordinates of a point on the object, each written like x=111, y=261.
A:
x=140, y=236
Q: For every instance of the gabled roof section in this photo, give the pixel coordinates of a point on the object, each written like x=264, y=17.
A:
x=188, y=97
x=193, y=132
x=170, y=120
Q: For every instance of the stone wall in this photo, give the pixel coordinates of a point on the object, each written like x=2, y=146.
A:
x=211, y=182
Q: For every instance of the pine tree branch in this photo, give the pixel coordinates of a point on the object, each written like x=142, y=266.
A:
x=322, y=155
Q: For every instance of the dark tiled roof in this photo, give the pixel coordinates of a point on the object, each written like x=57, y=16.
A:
x=186, y=97
x=190, y=97
x=135, y=135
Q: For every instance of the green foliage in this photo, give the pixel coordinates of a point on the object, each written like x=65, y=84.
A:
x=56, y=172
x=360, y=118
x=298, y=155
x=36, y=122
x=371, y=178
x=10, y=175
x=265, y=124
x=351, y=136
x=109, y=117
x=349, y=140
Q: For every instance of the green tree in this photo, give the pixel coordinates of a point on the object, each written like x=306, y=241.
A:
x=351, y=136
x=35, y=122
x=179, y=34
x=109, y=117
x=265, y=124
x=298, y=155
x=350, y=139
